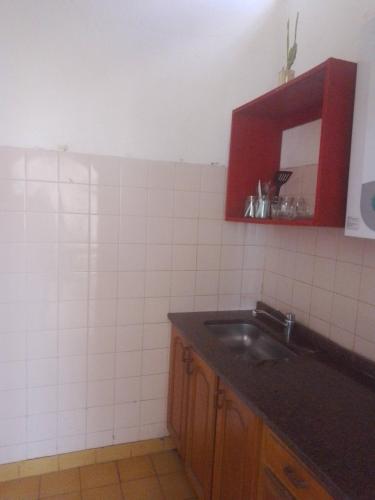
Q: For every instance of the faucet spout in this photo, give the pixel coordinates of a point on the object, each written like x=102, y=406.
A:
x=287, y=321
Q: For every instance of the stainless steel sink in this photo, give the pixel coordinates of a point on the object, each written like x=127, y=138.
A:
x=247, y=338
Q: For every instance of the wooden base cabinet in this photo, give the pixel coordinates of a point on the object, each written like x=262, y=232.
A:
x=201, y=426
x=229, y=453
x=180, y=357
x=236, y=449
x=283, y=476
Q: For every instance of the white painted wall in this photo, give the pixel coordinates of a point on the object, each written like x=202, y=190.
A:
x=154, y=79
x=328, y=28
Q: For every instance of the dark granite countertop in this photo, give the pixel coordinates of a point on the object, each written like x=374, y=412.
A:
x=312, y=402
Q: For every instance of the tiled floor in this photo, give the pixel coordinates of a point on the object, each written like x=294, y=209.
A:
x=151, y=477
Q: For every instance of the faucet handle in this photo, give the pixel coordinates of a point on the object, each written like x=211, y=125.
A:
x=291, y=317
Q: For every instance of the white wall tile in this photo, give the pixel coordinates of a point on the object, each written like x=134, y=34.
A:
x=209, y=232
x=74, y=168
x=344, y=312
x=72, y=369
x=99, y=418
x=157, y=284
x=104, y=228
x=12, y=228
x=129, y=338
x=74, y=198
x=105, y=200
x=185, y=231
x=156, y=336
x=154, y=386
x=73, y=342
x=134, y=172
x=211, y=206
x=134, y=201
x=133, y=229
x=213, y=179
x=102, y=312
x=101, y=366
x=130, y=311
x=160, y=203
x=367, y=287
x=42, y=372
x=127, y=414
x=103, y=257
x=183, y=283
x=161, y=175
x=186, y=204
x=103, y=285
x=128, y=364
x=132, y=257
x=101, y=339
x=324, y=273
x=207, y=282
x=159, y=230
x=127, y=390
x=74, y=228
x=41, y=165
x=100, y=393
x=347, y=279
x=41, y=427
x=188, y=177
x=105, y=170
x=12, y=163
x=159, y=257
x=41, y=400
x=12, y=195
x=231, y=257
x=12, y=431
x=156, y=310
x=155, y=361
x=12, y=375
x=153, y=411
x=184, y=257
x=71, y=423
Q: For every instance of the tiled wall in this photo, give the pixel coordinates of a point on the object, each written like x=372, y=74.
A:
x=94, y=251
x=327, y=279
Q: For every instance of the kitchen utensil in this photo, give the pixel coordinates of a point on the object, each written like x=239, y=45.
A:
x=263, y=210
x=280, y=178
x=251, y=206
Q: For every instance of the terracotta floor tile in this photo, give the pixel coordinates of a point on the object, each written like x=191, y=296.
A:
x=111, y=492
x=20, y=489
x=135, y=468
x=58, y=483
x=67, y=496
x=176, y=486
x=94, y=476
x=147, y=488
x=167, y=462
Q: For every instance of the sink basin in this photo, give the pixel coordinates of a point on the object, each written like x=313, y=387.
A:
x=247, y=338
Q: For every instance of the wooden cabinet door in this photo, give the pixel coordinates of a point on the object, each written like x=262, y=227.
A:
x=237, y=446
x=201, y=426
x=177, y=394
x=270, y=487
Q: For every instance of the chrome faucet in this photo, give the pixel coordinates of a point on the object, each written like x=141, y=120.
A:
x=288, y=320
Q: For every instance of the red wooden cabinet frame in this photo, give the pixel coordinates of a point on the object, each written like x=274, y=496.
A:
x=326, y=92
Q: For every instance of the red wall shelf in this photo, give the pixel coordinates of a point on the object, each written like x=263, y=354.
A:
x=326, y=92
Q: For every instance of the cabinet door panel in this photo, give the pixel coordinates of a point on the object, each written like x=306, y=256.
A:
x=236, y=449
x=201, y=427
x=177, y=397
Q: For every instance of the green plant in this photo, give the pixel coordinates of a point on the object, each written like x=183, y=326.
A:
x=291, y=52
